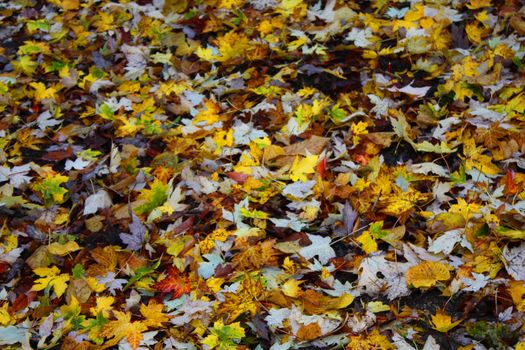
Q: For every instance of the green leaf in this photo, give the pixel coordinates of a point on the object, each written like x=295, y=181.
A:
x=224, y=337
x=106, y=112
x=142, y=272
x=78, y=271
x=50, y=189
x=41, y=24
x=426, y=146
x=153, y=198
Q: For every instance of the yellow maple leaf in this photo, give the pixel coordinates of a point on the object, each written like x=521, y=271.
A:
x=358, y=129
x=442, y=322
x=341, y=302
x=153, y=314
x=475, y=32
x=374, y=340
x=232, y=45
x=67, y=4
x=25, y=65
x=300, y=168
x=103, y=21
x=291, y=288
x=50, y=188
x=5, y=317
x=287, y=7
x=517, y=292
x=224, y=336
x=71, y=309
x=215, y=283
x=520, y=346
x=41, y=92
x=230, y=4
x=32, y=47
x=208, y=116
x=206, y=54
x=427, y=274
x=51, y=278
x=368, y=243
x=95, y=286
x=103, y=306
x=122, y=327
x=246, y=299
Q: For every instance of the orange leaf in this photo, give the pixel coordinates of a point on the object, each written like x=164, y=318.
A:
x=173, y=283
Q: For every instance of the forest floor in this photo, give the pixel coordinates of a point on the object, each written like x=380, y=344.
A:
x=262, y=174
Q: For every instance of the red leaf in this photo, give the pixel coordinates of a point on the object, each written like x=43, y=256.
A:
x=4, y=267
x=22, y=301
x=238, y=177
x=510, y=185
x=321, y=167
x=173, y=283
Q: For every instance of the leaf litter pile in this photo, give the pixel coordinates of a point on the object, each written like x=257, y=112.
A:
x=262, y=174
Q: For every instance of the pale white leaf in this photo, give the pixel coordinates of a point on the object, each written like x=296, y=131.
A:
x=439, y=190
x=78, y=164
x=393, y=280
x=401, y=343
x=100, y=84
x=473, y=285
x=14, y=334
x=292, y=222
x=137, y=236
x=45, y=120
x=506, y=314
x=431, y=344
x=137, y=61
x=428, y=167
x=175, y=198
x=360, y=36
x=411, y=90
x=446, y=242
x=299, y=189
x=361, y=322
x=243, y=133
x=18, y=175
x=98, y=200
x=320, y=247
x=207, y=268
x=276, y=317
x=114, y=160
x=514, y=259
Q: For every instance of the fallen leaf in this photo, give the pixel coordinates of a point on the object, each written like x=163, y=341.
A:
x=427, y=274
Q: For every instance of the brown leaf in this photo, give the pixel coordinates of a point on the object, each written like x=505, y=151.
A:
x=518, y=23
x=314, y=145
x=79, y=289
x=310, y=331
x=106, y=259
x=56, y=156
